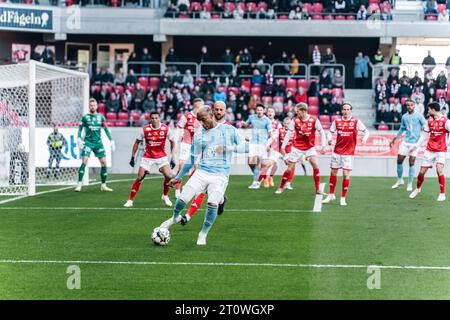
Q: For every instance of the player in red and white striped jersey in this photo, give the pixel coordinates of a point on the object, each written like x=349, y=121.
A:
x=189, y=124
x=155, y=135
x=270, y=161
x=304, y=126
x=219, y=109
x=438, y=127
x=346, y=129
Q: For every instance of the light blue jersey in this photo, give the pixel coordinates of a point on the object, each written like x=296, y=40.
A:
x=261, y=128
x=205, y=144
x=411, y=125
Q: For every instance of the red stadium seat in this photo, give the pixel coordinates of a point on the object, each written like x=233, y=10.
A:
x=334, y=117
x=293, y=90
x=439, y=93
x=215, y=16
x=111, y=116
x=403, y=100
x=247, y=84
x=308, y=6
x=109, y=88
x=229, y=6
x=317, y=8
x=291, y=84
x=240, y=5
x=135, y=116
x=147, y=116
x=386, y=5
x=326, y=125
x=266, y=100
x=262, y=6
x=391, y=100
x=324, y=119
x=101, y=108
x=324, y=91
x=383, y=127
x=313, y=110
x=111, y=123
x=120, y=89
x=234, y=90
x=278, y=99
x=283, y=82
x=154, y=83
x=256, y=90
x=68, y=3
x=302, y=83
x=373, y=2
x=207, y=6
x=339, y=18
x=337, y=92
x=283, y=17
x=143, y=81
x=200, y=80
x=123, y=116
x=183, y=16
x=317, y=17
x=122, y=124
x=448, y=95
x=313, y=101
x=350, y=17
x=373, y=7
x=115, y=3
x=328, y=17
x=251, y=7
x=195, y=6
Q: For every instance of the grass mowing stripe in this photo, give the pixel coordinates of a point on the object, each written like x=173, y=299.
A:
x=228, y=264
x=86, y=209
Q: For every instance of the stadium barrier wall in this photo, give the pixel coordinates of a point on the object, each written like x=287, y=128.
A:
x=380, y=163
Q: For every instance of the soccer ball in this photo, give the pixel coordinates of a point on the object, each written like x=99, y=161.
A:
x=160, y=236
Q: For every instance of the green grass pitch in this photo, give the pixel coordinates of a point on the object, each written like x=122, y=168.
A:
x=265, y=246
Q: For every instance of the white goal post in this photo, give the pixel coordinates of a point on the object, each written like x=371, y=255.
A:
x=35, y=98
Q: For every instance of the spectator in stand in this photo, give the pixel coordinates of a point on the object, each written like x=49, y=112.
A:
x=316, y=57
x=219, y=95
x=383, y=116
x=416, y=81
x=383, y=104
x=204, y=55
x=149, y=104
x=113, y=104
x=325, y=106
x=97, y=77
x=430, y=94
x=419, y=106
x=107, y=76
x=272, y=8
x=405, y=89
x=380, y=90
x=338, y=80
x=296, y=13
x=393, y=88
x=188, y=79
x=301, y=95
x=441, y=81
x=119, y=77
x=146, y=58
x=227, y=13
x=447, y=63
x=48, y=55
x=172, y=11
x=246, y=61
x=231, y=102
x=404, y=78
x=183, y=6
x=417, y=94
x=286, y=63
x=131, y=79
x=443, y=15
x=428, y=63
x=377, y=61
x=260, y=64
x=361, y=70
x=385, y=14
x=279, y=88
x=325, y=80
x=294, y=64
x=395, y=105
x=104, y=93
x=396, y=117
x=395, y=60
x=339, y=6
x=430, y=7
x=229, y=116
x=238, y=13
x=205, y=14
x=444, y=106
x=362, y=13
x=133, y=62
x=228, y=57
x=329, y=58
x=171, y=56
x=138, y=96
x=257, y=79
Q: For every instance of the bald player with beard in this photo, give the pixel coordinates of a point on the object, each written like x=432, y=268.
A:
x=219, y=109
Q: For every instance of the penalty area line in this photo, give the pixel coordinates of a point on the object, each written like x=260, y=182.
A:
x=229, y=264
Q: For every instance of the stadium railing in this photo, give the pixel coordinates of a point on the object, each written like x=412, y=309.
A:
x=217, y=67
x=280, y=70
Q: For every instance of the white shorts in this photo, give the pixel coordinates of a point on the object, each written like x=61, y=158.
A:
x=185, y=151
x=214, y=184
x=341, y=161
x=258, y=150
x=431, y=158
x=148, y=163
x=405, y=149
x=296, y=155
x=273, y=155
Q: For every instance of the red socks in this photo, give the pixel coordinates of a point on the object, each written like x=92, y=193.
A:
x=442, y=183
x=285, y=179
x=333, y=182
x=178, y=185
x=420, y=179
x=291, y=176
x=135, y=188
x=196, y=204
x=316, y=175
x=166, y=187
x=263, y=175
x=345, y=184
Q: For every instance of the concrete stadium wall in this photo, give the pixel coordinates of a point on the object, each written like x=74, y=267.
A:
x=363, y=166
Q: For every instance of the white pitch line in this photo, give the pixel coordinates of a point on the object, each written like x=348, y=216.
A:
x=228, y=264
x=86, y=209
x=67, y=188
x=318, y=199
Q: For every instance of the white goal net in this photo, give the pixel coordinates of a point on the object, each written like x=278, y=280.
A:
x=40, y=109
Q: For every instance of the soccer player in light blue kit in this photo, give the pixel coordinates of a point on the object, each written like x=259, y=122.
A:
x=261, y=130
x=214, y=144
x=411, y=125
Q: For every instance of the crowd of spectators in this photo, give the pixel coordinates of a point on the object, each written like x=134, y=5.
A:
x=436, y=10
x=128, y=99
x=421, y=88
x=280, y=9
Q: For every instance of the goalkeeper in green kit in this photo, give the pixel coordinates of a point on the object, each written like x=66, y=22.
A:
x=90, y=140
